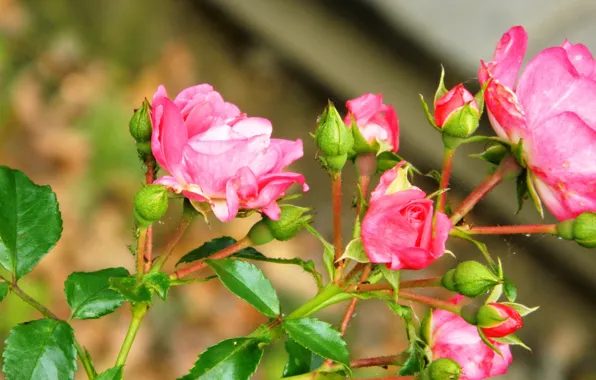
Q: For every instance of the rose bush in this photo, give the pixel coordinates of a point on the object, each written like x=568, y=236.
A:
x=397, y=229
x=552, y=112
x=217, y=155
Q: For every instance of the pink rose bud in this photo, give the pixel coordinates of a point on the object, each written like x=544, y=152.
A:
x=457, y=112
x=397, y=228
x=454, y=338
x=497, y=320
x=218, y=156
x=552, y=109
x=377, y=124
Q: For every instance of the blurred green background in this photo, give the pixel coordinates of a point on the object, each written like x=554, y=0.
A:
x=71, y=72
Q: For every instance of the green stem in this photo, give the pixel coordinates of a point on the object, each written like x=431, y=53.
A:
x=141, y=242
x=445, y=176
x=138, y=313
x=314, y=304
x=507, y=167
x=14, y=288
x=509, y=230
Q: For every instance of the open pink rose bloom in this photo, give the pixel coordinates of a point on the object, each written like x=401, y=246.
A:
x=552, y=108
x=397, y=228
x=218, y=155
x=454, y=338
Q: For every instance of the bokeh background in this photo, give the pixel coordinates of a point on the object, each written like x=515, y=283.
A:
x=71, y=72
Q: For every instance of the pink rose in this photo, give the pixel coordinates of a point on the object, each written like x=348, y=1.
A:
x=217, y=155
x=454, y=338
x=397, y=228
x=375, y=120
x=452, y=102
x=553, y=109
x=512, y=320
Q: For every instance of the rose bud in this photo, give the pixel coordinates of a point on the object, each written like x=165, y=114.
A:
x=140, y=129
x=375, y=125
x=497, y=320
x=457, y=112
x=291, y=220
x=151, y=204
x=473, y=279
x=442, y=369
x=333, y=138
x=581, y=229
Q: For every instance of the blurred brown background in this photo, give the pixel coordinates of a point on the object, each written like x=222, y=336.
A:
x=72, y=71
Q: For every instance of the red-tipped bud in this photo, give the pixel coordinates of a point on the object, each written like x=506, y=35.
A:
x=457, y=112
x=497, y=320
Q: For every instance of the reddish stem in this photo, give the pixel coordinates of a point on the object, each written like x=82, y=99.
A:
x=382, y=361
x=507, y=167
x=423, y=283
x=185, y=222
x=228, y=251
x=509, y=230
x=149, y=178
x=352, y=306
x=445, y=176
x=432, y=302
x=336, y=207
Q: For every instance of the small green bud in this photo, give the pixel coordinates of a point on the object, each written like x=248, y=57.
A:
x=448, y=281
x=291, y=220
x=144, y=149
x=464, y=122
x=334, y=164
x=140, y=124
x=442, y=369
x=473, y=279
x=332, y=136
x=151, y=204
x=260, y=233
x=581, y=229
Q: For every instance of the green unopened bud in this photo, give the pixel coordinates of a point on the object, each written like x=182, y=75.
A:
x=448, y=281
x=473, y=279
x=151, y=204
x=464, y=122
x=140, y=124
x=334, y=164
x=332, y=136
x=291, y=220
x=581, y=229
x=442, y=369
x=260, y=233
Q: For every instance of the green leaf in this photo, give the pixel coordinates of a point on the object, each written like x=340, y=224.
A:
x=213, y=246
x=159, y=282
x=521, y=190
x=307, y=266
x=247, y=282
x=89, y=295
x=488, y=342
x=30, y=222
x=3, y=290
x=328, y=250
x=392, y=277
x=523, y=310
x=509, y=289
x=299, y=359
x=355, y=251
x=114, y=373
x=495, y=294
x=512, y=339
x=42, y=349
x=534, y=194
x=434, y=174
x=131, y=289
x=319, y=337
x=232, y=359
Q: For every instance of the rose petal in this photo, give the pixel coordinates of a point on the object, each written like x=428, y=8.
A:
x=508, y=58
